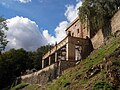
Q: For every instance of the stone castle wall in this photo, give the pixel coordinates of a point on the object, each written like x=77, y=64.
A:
x=49, y=73
x=115, y=22
x=98, y=39
x=77, y=29
x=42, y=76
x=66, y=64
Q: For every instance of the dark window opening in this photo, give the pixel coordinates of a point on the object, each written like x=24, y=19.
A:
x=78, y=31
x=72, y=34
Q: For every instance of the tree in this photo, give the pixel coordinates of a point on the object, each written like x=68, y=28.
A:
x=3, y=40
x=39, y=54
x=12, y=64
x=97, y=14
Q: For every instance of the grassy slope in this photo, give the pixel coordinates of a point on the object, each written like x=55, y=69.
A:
x=72, y=78
x=71, y=81
x=25, y=86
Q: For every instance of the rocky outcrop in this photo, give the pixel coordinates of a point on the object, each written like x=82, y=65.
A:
x=111, y=68
x=92, y=71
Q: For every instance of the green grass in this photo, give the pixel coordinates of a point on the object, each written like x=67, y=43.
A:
x=25, y=86
x=32, y=87
x=73, y=79
x=101, y=85
x=62, y=82
x=95, y=58
x=20, y=86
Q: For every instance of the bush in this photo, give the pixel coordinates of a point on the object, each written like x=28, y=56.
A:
x=102, y=86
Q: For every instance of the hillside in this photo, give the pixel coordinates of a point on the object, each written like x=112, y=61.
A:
x=100, y=70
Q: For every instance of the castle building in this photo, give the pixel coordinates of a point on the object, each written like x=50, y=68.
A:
x=72, y=49
x=77, y=29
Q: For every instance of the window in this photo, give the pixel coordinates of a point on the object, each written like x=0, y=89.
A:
x=78, y=31
x=72, y=34
x=69, y=33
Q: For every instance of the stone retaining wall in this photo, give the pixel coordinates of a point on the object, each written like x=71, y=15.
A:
x=115, y=22
x=42, y=76
x=98, y=39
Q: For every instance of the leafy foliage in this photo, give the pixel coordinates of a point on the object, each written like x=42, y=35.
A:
x=97, y=14
x=14, y=63
x=3, y=40
x=102, y=86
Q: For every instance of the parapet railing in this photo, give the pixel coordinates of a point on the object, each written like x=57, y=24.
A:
x=56, y=47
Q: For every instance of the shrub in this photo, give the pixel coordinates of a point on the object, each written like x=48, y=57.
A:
x=102, y=86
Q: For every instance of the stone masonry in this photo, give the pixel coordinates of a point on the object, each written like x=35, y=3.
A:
x=72, y=49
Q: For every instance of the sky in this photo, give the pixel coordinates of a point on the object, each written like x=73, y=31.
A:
x=34, y=23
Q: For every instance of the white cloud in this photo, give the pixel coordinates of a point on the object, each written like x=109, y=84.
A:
x=24, y=33
x=50, y=38
x=59, y=33
x=60, y=30
x=72, y=11
x=24, y=1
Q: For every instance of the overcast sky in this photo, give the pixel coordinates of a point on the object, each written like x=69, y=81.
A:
x=33, y=23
